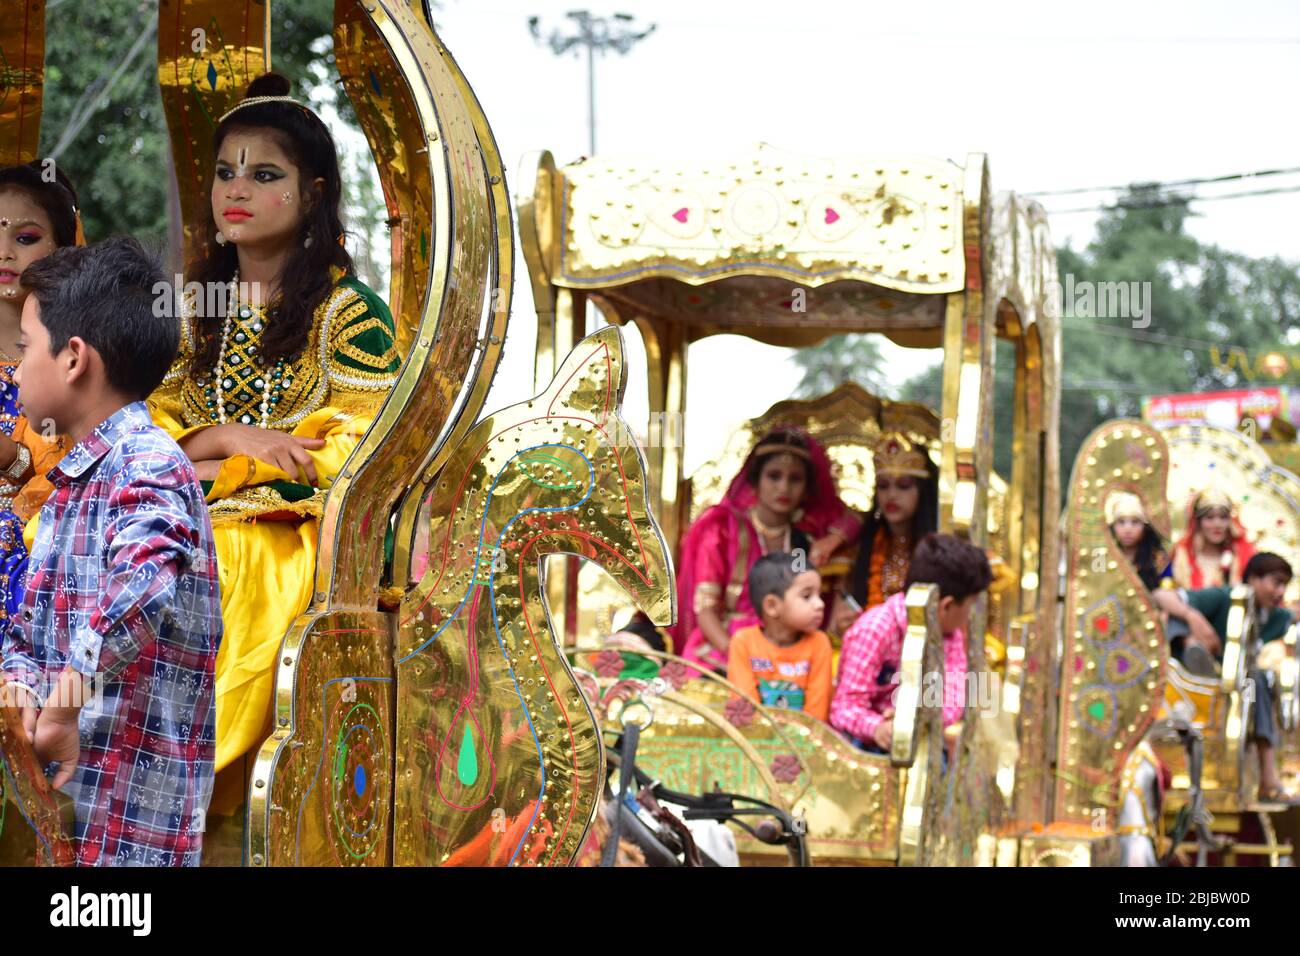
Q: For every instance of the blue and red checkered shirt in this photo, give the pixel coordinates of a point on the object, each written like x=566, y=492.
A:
x=123, y=588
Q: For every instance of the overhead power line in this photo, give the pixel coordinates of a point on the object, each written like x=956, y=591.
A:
x=1156, y=338
x=1227, y=177
x=1174, y=201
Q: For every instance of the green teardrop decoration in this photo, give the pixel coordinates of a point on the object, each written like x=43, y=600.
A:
x=467, y=764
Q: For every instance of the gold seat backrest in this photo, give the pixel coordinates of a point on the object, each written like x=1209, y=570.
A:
x=847, y=422
x=1220, y=708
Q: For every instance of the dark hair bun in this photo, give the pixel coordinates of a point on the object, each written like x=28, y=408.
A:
x=269, y=84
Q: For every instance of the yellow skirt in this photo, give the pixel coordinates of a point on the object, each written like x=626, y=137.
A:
x=267, y=573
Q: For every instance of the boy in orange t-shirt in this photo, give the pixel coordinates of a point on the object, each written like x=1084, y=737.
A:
x=785, y=661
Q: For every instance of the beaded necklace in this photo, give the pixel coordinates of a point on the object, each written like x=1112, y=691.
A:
x=8, y=398
x=271, y=385
x=766, y=532
x=894, y=575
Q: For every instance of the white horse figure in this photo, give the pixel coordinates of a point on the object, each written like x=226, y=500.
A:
x=1139, y=808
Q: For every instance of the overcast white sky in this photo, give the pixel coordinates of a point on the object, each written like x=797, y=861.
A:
x=1058, y=95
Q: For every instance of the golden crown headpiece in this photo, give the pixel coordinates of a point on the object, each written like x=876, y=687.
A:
x=257, y=100
x=895, y=455
x=1124, y=505
x=1209, y=499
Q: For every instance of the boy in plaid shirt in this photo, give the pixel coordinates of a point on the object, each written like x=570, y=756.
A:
x=863, y=704
x=117, y=640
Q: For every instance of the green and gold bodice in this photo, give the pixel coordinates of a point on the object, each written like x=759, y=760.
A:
x=349, y=363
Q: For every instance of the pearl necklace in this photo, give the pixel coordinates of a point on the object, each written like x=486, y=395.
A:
x=275, y=381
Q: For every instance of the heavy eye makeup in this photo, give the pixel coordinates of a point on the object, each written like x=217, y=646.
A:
x=261, y=174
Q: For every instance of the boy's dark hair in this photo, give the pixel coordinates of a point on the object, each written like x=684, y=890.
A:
x=105, y=294
x=1265, y=563
x=958, y=567
x=773, y=573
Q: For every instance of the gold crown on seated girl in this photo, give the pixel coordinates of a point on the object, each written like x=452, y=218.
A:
x=895, y=455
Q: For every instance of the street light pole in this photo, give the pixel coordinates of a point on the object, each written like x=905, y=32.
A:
x=595, y=33
x=591, y=99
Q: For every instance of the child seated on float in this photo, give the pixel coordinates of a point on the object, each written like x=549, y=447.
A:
x=785, y=661
x=1198, y=628
x=122, y=602
x=863, y=704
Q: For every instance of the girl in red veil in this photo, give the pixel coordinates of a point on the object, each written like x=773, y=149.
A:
x=782, y=499
x=1214, y=549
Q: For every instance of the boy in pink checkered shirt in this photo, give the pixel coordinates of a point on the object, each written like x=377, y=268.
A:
x=863, y=704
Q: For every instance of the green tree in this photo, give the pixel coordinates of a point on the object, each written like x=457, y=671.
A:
x=840, y=359
x=1200, y=297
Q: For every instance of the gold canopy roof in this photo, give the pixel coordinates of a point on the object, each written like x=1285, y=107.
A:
x=782, y=247
x=891, y=221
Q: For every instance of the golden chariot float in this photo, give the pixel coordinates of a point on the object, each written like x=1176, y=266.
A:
x=447, y=701
x=921, y=251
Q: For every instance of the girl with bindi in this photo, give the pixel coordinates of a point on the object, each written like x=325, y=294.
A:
x=272, y=391
x=37, y=215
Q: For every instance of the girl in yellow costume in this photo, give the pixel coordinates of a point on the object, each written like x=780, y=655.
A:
x=273, y=388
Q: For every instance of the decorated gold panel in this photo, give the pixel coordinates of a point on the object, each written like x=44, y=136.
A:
x=373, y=81
x=208, y=53
x=322, y=786
x=1267, y=497
x=499, y=760
x=775, y=311
x=1114, y=652
x=698, y=732
x=706, y=704
x=894, y=221
x=492, y=337
x=1203, y=702
x=22, y=80
x=449, y=233
x=1069, y=846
